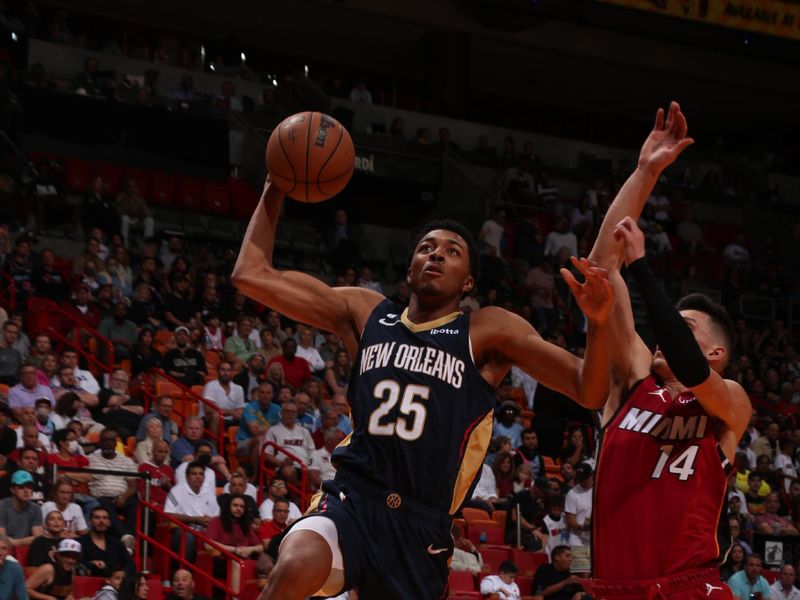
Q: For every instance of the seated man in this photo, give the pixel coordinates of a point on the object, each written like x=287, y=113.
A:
x=258, y=415
x=501, y=586
x=184, y=449
x=328, y=420
x=278, y=491
x=27, y=391
x=203, y=456
x=101, y=551
x=554, y=580
x=770, y=522
x=748, y=582
x=162, y=410
x=321, y=468
x=162, y=477
x=191, y=504
x=116, y=493
x=294, y=438
x=183, y=587
x=12, y=580
x=465, y=556
x=278, y=524
x=225, y=395
x=116, y=407
x=20, y=518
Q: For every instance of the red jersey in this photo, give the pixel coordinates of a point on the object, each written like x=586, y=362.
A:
x=158, y=492
x=659, y=488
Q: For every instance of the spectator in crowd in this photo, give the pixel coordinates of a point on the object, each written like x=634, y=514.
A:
x=784, y=588
x=561, y=237
x=307, y=350
x=101, y=551
x=73, y=523
x=770, y=522
x=365, y=280
x=27, y=391
x=768, y=444
x=735, y=526
x=183, y=587
x=748, y=582
x=736, y=254
x=20, y=518
x=162, y=477
x=184, y=362
x=227, y=99
x=360, y=93
x=293, y=437
x=491, y=234
x=257, y=417
x=251, y=377
x=578, y=504
x=528, y=453
x=12, y=580
x=525, y=508
x=305, y=413
x=485, y=494
x=120, y=330
x=54, y=579
x=115, y=493
x=85, y=380
x=755, y=499
x=321, y=468
x=278, y=523
x=465, y=556
x=28, y=460
x=337, y=375
x=548, y=193
x=179, y=308
x=506, y=424
x=329, y=418
x=42, y=346
x=89, y=81
x=575, y=450
x=397, y=129
x=192, y=505
x=555, y=527
x=203, y=455
x=541, y=285
x=43, y=548
x=233, y=530
x=689, y=232
x=735, y=560
x=554, y=580
x=295, y=369
x=116, y=407
x=84, y=313
x=145, y=355
x=784, y=464
x=163, y=412
x=184, y=450
x=226, y=395
x=133, y=212
x=112, y=586
x=67, y=385
x=269, y=347
x=240, y=347
x=238, y=484
x=278, y=490
x=503, y=469
x=501, y=586
x=10, y=359
x=154, y=432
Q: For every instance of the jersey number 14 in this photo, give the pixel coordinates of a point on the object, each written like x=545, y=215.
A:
x=411, y=415
x=682, y=465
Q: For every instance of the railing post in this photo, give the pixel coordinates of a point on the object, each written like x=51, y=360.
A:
x=146, y=522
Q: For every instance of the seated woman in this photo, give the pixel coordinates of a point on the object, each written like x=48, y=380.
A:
x=62, y=501
x=43, y=548
x=154, y=431
x=54, y=580
x=233, y=530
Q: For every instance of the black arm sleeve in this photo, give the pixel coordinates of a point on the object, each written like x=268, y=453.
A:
x=673, y=335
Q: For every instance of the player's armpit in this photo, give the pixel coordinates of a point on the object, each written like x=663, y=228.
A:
x=726, y=401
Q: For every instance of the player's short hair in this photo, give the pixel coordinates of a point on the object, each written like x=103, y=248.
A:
x=455, y=227
x=508, y=567
x=558, y=551
x=716, y=312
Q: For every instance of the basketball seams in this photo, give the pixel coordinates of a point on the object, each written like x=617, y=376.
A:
x=327, y=160
x=288, y=161
x=308, y=149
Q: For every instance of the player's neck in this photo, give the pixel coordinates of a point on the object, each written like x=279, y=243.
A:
x=420, y=312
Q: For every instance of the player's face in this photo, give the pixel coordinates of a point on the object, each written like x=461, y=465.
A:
x=703, y=329
x=440, y=266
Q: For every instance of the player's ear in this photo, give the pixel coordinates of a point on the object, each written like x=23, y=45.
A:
x=408, y=276
x=469, y=283
x=717, y=355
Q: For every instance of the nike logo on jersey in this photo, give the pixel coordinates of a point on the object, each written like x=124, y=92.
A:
x=710, y=588
x=662, y=427
x=395, y=321
x=432, y=550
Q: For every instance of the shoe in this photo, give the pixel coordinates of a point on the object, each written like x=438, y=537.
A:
x=129, y=542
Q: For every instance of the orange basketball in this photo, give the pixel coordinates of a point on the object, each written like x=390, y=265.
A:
x=310, y=156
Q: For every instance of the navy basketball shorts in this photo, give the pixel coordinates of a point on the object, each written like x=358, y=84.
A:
x=393, y=548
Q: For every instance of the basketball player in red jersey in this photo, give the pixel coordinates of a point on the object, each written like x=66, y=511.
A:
x=383, y=524
x=671, y=423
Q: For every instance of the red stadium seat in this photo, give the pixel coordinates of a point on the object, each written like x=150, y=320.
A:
x=524, y=583
x=190, y=194
x=492, y=557
x=770, y=575
x=21, y=554
x=76, y=176
x=141, y=178
x=475, y=514
x=86, y=586
x=245, y=198
x=218, y=199
x=466, y=596
x=528, y=562
x=163, y=189
x=112, y=177
x=494, y=535
x=461, y=581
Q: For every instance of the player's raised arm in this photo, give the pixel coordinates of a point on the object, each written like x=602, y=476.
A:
x=661, y=148
x=689, y=363
x=297, y=295
x=585, y=381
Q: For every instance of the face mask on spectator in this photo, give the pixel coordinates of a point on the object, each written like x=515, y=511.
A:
x=73, y=446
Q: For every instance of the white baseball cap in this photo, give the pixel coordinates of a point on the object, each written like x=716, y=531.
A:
x=69, y=545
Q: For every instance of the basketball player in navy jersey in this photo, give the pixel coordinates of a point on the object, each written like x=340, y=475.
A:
x=422, y=398
x=672, y=422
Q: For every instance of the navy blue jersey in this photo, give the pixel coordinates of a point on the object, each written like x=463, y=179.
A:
x=421, y=411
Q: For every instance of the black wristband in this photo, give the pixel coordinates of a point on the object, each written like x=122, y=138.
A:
x=673, y=335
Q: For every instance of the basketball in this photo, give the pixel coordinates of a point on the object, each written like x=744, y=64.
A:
x=310, y=156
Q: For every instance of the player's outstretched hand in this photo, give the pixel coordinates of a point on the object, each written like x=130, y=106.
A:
x=667, y=140
x=595, y=296
x=628, y=231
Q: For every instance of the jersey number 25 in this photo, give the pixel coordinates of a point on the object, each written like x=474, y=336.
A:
x=411, y=415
